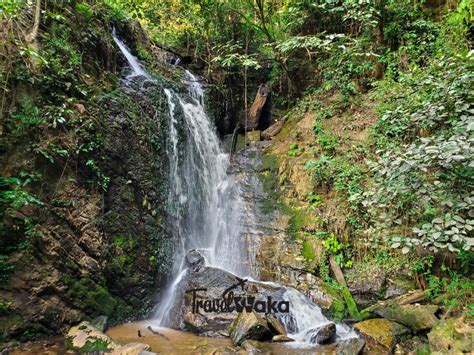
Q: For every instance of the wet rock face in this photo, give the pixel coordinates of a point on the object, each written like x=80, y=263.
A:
x=194, y=259
x=208, y=300
x=325, y=334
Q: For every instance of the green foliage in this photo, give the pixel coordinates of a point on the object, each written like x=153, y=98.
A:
x=6, y=268
x=95, y=345
x=84, y=10
x=90, y=297
x=328, y=143
x=295, y=150
x=425, y=178
x=27, y=116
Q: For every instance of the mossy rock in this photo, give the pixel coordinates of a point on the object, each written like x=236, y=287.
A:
x=415, y=317
x=381, y=334
x=453, y=336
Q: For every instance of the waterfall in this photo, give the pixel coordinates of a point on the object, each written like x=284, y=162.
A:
x=135, y=65
x=206, y=205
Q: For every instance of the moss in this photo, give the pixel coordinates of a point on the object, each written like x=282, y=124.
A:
x=90, y=297
x=337, y=311
x=308, y=251
x=268, y=177
x=350, y=303
x=343, y=304
x=298, y=221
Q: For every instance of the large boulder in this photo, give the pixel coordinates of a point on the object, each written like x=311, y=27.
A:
x=416, y=317
x=249, y=326
x=208, y=300
x=380, y=334
x=453, y=336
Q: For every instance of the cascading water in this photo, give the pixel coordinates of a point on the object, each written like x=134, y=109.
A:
x=205, y=203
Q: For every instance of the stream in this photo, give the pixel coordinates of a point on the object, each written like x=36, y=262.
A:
x=211, y=213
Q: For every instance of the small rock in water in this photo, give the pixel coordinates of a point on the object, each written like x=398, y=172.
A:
x=325, y=334
x=249, y=326
x=281, y=339
x=351, y=346
x=194, y=259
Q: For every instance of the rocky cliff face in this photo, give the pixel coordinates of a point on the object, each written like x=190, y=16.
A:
x=83, y=190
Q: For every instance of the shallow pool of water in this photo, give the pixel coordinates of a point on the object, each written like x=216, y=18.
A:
x=177, y=342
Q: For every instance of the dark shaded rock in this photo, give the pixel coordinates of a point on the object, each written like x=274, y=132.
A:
x=325, y=334
x=281, y=339
x=194, y=259
x=275, y=325
x=353, y=346
x=249, y=326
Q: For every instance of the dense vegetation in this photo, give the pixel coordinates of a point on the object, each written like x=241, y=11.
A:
x=405, y=188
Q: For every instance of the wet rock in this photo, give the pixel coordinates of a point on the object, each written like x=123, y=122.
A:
x=452, y=336
x=353, y=346
x=88, y=338
x=281, y=339
x=380, y=334
x=275, y=325
x=249, y=326
x=325, y=334
x=203, y=305
x=194, y=259
x=416, y=317
x=132, y=349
